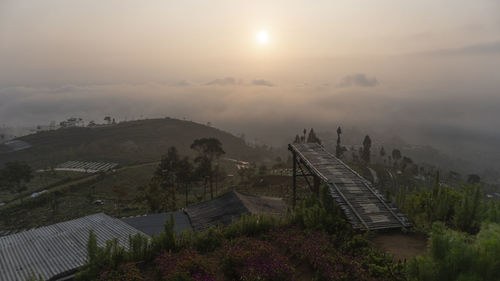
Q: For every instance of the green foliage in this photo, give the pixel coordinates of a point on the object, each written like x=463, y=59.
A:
x=462, y=208
x=428, y=206
x=208, y=240
x=166, y=240
x=139, y=248
x=457, y=256
x=250, y=225
x=111, y=256
x=467, y=209
x=491, y=211
x=127, y=271
x=14, y=175
x=320, y=213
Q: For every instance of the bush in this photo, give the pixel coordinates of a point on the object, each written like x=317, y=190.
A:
x=491, y=211
x=208, y=240
x=321, y=213
x=457, y=256
x=250, y=259
x=128, y=272
x=354, y=260
x=318, y=250
x=185, y=265
x=250, y=225
x=467, y=209
x=166, y=240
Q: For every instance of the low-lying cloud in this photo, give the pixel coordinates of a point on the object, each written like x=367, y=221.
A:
x=358, y=80
x=226, y=81
x=262, y=82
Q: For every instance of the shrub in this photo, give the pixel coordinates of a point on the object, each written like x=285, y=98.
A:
x=250, y=225
x=321, y=213
x=457, y=256
x=185, y=265
x=128, y=272
x=139, y=248
x=467, y=209
x=166, y=240
x=251, y=259
x=208, y=240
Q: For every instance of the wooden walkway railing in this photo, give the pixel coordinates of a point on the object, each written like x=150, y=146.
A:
x=364, y=207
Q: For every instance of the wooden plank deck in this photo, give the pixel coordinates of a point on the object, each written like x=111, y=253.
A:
x=364, y=207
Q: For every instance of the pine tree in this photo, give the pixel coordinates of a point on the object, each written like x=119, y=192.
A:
x=339, y=150
x=312, y=138
x=367, y=143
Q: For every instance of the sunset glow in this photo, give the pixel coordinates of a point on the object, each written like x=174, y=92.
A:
x=263, y=37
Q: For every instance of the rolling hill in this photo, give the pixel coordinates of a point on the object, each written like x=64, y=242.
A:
x=125, y=143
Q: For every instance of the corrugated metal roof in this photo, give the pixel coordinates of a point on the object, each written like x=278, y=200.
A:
x=229, y=207
x=154, y=224
x=58, y=248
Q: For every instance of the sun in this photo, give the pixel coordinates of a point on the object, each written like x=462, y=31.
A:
x=262, y=37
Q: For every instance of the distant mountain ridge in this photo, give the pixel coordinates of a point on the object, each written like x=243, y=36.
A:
x=124, y=143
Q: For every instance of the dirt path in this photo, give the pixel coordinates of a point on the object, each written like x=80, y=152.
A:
x=402, y=246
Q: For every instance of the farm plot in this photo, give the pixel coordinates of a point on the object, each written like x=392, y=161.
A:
x=85, y=167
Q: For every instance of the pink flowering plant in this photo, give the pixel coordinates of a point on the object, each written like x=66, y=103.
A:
x=186, y=265
x=251, y=259
x=124, y=272
x=319, y=251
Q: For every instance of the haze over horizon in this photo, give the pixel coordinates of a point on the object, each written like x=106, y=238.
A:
x=424, y=70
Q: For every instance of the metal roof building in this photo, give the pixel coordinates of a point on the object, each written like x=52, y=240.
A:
x=154, y=224
x=230, y=206
x=57, y=250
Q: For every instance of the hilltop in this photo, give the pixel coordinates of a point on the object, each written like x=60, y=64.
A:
x=125, y=143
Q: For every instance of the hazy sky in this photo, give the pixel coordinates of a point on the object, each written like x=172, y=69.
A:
x=423, y=65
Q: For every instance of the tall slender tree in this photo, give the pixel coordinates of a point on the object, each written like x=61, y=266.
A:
x=166, y=176
x=312, y=138
x=382, y=154
x=185, y=175
x=367, y=143
x=209, y=150
x=338, y=149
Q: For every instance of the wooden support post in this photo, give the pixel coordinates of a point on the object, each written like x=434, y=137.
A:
x=294, y=179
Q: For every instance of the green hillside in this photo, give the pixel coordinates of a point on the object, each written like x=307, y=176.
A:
x=124, y=143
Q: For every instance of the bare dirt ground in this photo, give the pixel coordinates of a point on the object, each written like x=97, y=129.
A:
x=403, y=246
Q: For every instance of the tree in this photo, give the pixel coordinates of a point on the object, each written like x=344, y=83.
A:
x=262, y=170
x=312, y=138
x=152, y=194
x=166, y=175
x=202, y=172
x=209, y=150
x=396, y=154
x=473, y=179
x=185, y=175
x=220, y=176
x=297, y=139
x=15, y=175
x=367, y=143
x=339, y=150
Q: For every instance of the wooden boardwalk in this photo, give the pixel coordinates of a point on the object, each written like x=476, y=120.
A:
x=364, y=207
